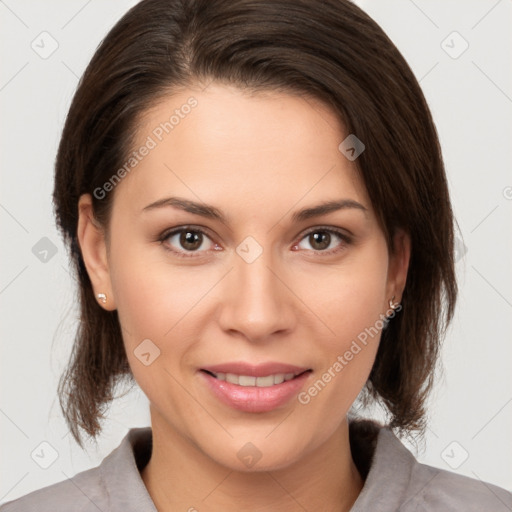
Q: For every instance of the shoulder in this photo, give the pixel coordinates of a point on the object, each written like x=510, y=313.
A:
x=84, y=492
x=115, y=484
x=397, y=481
x=432, y=488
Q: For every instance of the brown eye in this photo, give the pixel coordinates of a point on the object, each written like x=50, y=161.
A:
x=323, y=240
x=320, y=240
x=186, y=241
x=191, y=240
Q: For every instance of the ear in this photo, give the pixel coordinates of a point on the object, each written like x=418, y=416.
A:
x=92, y=243
x=398, y=266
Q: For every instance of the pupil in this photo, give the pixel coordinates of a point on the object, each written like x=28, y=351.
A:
x=190, y=239
x=322, y=239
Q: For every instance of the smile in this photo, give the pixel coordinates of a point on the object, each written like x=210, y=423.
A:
x=255, y=393
x=250, y=380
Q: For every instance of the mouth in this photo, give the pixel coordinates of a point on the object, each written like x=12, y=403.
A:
x=255, y=389
x=251, y=380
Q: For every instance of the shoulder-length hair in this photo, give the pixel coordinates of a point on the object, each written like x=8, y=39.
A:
x=330, y=50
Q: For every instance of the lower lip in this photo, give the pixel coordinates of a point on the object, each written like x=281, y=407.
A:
x=254, y=398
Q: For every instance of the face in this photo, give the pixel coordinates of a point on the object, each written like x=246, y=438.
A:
x=239, y=278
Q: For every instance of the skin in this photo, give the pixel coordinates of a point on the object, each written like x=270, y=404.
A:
x=295, y=303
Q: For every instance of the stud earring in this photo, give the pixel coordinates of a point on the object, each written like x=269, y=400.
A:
x=102, y=297
x=392, y=305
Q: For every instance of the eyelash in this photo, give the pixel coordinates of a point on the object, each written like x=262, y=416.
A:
x=191, y=254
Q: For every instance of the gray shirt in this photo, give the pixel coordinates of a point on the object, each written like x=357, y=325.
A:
x=394, y=481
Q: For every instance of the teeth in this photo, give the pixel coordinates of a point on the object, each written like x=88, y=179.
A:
x=231, y=377
x=244, y=380
x=279, y=378
x=248, y=380
x=262, y=382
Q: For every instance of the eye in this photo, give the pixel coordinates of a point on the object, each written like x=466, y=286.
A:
x=324, y=240
x=187, y=240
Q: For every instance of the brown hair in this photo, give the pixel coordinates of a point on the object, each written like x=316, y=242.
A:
x=330, y=50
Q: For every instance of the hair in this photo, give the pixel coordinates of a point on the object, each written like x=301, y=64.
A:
x=329, y=50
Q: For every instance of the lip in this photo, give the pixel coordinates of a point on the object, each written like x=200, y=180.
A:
x=255, y=399
x=260, y=370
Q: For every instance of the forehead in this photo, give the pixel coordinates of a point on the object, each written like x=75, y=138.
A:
x=224, y=145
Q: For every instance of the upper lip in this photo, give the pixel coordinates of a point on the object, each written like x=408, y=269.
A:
x=259, y=370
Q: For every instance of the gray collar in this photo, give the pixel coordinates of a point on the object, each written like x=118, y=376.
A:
x=385, y=486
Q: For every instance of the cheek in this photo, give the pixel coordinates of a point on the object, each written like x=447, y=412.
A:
x=349, y=302
x=154, y=302
x=349, y=297
x=157, y=301
x=142, y=305
x=151, y=295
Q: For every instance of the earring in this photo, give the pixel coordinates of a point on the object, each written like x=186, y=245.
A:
x=102, y=297
x=392, y=305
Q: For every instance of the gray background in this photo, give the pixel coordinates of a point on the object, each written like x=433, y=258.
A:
x=470, y=95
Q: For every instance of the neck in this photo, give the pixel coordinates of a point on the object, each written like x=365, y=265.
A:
x=179, y=476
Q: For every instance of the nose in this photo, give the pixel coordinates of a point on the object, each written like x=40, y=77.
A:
x=256, y=302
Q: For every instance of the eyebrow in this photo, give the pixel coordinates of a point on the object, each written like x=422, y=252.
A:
x=211, y=212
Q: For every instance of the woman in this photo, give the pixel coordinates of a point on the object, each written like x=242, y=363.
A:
x=256, y=206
